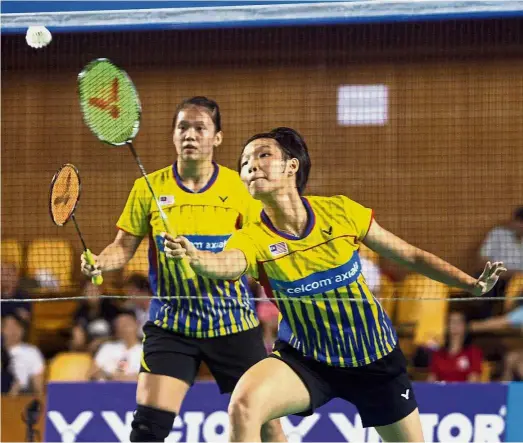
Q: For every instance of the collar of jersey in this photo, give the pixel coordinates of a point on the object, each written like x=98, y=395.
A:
x=211, y=181
x=311, y=220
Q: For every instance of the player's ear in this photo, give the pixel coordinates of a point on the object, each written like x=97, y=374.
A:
x=292, y=166
x=218, y=138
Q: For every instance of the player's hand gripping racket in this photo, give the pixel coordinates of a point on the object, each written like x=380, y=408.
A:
x=112, y=110
x=63, y=198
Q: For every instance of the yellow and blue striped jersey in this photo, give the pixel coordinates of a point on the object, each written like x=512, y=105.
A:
x=198, y=307
x=327, y=312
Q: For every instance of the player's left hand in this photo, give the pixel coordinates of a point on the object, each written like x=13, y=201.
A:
x=488, y=278
x=178, y=247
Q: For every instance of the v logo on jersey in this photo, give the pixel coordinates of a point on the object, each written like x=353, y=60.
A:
x=406, y=395
x=327, y=231
x=223, y=199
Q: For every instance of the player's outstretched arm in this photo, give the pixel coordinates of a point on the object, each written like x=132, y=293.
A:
x=390, y=246
x=115, y=256
x=225, y=265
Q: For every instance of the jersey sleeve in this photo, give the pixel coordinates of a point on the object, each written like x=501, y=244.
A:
x=242, y=241
x=134, y=217
x=359, y=217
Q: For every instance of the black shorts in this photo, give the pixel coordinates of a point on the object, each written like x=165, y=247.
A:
x=175, y=355
x=381, y=391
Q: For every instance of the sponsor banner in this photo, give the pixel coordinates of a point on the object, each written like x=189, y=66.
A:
x=96, y=412
x=81, y=16
x=514, y=412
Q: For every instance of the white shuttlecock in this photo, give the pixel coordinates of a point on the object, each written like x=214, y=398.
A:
x=38, y=36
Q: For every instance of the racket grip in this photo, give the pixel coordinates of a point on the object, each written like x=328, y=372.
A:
x=98, y=279
x=186, y=270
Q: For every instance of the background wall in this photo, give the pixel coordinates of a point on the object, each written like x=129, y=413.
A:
x=445, y=168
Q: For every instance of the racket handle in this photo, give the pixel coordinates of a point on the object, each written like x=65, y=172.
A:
x=98, y=279
x=186, y=270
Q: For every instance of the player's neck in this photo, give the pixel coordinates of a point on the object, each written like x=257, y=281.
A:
x=287, y=213
x=195, y=174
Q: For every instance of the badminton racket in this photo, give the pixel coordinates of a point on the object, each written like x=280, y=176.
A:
x=112, y=110
x=63, y=198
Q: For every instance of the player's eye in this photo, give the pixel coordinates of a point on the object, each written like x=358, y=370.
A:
x=243, y=164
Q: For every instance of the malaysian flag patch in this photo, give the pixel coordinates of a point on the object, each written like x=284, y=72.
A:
x=278, y=248
x=166, y=199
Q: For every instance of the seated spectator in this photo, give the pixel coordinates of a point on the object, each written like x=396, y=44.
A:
x=119, y=359
x=138, y=285
x=92, y=320
x=370, y=269
x=513, y=366
x=503, y=243
x=514, y=319
x=7, y=374
x=458, y=360
x=513, y=361
x=11, y=289
x=27, y=362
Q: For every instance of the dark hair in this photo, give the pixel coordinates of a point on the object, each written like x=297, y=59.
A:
x=292, y=145
x=467, y=339
x=518, y=214
x=139, y=281
x=203, y=102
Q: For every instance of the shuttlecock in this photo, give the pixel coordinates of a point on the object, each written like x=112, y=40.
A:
x=38, y=36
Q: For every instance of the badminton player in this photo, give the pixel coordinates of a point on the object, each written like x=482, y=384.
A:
x=196, y=320
x=334, y=338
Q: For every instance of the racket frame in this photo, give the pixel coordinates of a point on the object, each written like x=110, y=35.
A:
x=98, y=280
x=186, y=269
x=84, y=104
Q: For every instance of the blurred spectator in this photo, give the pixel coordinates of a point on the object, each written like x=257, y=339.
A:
x=27, y=362
x=11, y=289
x=513, y=366
x=370, y=268
x=119, y=359
x=7, y=373
x=92, y=320
x=268, y=315
x=504, y=243
x=513, y=361
x=138, y=285
x=458, y=360
x=372, y=273
x=514, y=318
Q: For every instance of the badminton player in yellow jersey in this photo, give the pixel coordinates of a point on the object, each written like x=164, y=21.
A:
x=195, y=320
x=334, y=338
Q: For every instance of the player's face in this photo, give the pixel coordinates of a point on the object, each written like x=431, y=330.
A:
x=195, y=135
x=264, y=170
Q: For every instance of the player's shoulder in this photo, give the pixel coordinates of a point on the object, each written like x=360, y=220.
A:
x=340, y=200
x=328, y=202
x=228, y=175
x=253, y=229
x=156, y=177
